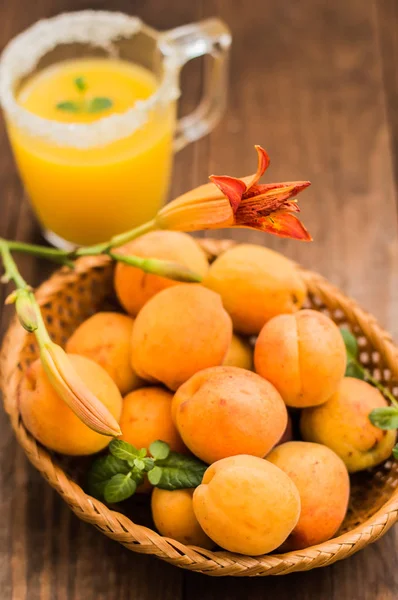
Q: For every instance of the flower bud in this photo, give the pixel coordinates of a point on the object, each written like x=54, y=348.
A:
x=72, y=389
x=25, y=308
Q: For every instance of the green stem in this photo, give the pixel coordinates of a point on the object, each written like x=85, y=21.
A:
x=114, y=242
x=58, y=256
x=128, y=236
x=66, y=258
x=28, y=310
x=10, y=268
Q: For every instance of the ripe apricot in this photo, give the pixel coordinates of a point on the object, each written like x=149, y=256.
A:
x=303, y=355
x=223, y=411
x=134, y=287
x=173, y=515
x=180, y=331
x=246, y=504
x=106, y=339
x=146, y=417
x=255, y=284
x=343, y=424
x=240, y=354
x=322, y=480
x=49, y=418
x=287, y=435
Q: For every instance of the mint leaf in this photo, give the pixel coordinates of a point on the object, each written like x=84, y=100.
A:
x=155, y=475
x=179, y=472
x=80, y=83
x=149, y=463
x=139, y=463
x=354, y=368
x=99, y=104
x=142, y=452
x=119, y=488
x=385, y=417
x=350, y=342
x=69, y=106
x=101, y=471
x=138, y=477
x=395, y=451
x=123, y=450
x=159, y=450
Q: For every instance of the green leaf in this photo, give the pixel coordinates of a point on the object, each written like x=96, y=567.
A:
x=99, y=104
x=159, y=450
x=101, y=471
x=123, y=450
x=395, y=451
x=139, y=463
x=69, y=106
x=350, y=342
x=119, y=488
x=149, y=463
x=180, y=472
x=354, y=370
x=155, y=475
x=385, y=417
x=138, y=477
x=80, y=83
x=142, y=452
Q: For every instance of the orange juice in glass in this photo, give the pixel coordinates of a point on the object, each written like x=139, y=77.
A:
x=90, y=104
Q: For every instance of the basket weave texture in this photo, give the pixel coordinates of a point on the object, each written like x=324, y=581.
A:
x=69, y=297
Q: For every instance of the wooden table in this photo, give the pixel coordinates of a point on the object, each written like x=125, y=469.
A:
x=316, y=83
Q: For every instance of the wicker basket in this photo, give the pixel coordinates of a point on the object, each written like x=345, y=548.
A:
x=69, y=297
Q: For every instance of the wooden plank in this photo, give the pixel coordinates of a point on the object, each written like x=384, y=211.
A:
x=387, y=17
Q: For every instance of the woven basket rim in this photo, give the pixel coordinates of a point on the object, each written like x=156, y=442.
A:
x=142, y=539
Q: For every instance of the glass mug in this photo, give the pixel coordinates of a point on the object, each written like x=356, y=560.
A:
x=90, y=180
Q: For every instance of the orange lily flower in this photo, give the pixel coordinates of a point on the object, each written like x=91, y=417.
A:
x=242, y=202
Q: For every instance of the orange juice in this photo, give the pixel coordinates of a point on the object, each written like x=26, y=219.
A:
x=87, y=194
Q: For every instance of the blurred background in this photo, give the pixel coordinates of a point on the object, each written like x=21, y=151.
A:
x=314, y=82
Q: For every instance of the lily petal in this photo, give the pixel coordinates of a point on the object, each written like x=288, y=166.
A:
x=282, y=224
x=262, y=165
x=290, y=188
x=231, y=187
x=291, y=206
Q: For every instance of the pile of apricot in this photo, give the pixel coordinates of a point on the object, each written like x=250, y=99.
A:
x=220, y=369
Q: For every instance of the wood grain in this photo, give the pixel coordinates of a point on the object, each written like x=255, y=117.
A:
x=314, y=82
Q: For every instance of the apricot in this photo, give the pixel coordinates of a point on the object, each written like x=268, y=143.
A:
x=49, y=418
x=240, y=354
x=146, y=417
x=287, y=435
x=106, y=339
x=134, y=287
x=343, y=424
x=173, y=515
x=303, y=355
x=246, y=504
x=255, y=284
x=223, y=411
x=180, y=331
x=322, y=480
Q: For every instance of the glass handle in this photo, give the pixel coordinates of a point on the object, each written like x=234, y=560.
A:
x=184, y=43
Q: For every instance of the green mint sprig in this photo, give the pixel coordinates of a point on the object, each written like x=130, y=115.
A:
x=115, y=477
x=384, y=417
x=88, y=105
